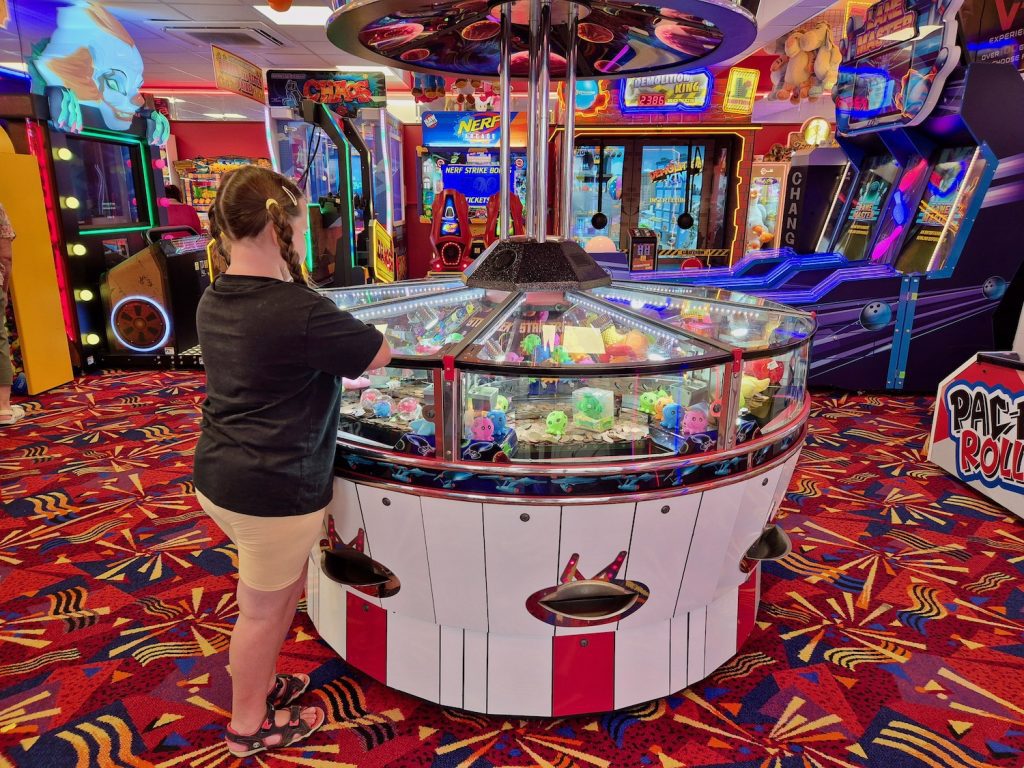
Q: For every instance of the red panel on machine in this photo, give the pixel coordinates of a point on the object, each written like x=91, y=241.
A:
x=583, y=674
x=515, y=213
x=367, y=637
x=450, y=232
x=746, y=613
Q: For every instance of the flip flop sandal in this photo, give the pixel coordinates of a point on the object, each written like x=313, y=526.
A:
x=295, y=730
x=12, y=416
x=287, y=689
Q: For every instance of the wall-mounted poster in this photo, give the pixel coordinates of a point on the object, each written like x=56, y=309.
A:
x=235, y=74
x=993, y=30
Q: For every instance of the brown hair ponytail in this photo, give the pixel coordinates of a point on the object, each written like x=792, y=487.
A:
x=248, y=199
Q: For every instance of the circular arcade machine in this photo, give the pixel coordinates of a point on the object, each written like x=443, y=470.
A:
x=556, y=498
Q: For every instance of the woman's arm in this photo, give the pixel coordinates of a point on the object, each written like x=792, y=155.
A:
x=382, y=358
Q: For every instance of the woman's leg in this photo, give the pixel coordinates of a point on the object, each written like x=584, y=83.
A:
x=263, y=621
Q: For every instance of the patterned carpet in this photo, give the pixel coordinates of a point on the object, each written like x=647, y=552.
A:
x=893, y=635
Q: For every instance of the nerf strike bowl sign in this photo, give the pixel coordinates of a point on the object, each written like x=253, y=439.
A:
x=345, y=93
x=978, y=433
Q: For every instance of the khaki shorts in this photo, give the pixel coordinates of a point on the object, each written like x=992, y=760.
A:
x=272, y=551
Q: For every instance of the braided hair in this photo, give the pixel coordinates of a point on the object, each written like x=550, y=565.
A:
x=248, y=199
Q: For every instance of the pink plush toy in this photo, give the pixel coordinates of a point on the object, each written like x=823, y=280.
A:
x=482, y=429
x=695, y=420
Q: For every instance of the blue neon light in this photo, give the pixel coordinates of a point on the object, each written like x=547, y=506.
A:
x=869, y=74
x=163, y=314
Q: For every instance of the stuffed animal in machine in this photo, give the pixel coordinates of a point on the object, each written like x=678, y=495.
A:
x=750, y=386
x=807, y=66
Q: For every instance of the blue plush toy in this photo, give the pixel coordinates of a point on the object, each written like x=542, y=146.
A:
x=382, y=410
x=422, y=427
x=670, y=415
x=500, y=422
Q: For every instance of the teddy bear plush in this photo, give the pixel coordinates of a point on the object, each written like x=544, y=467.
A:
x=807, y=65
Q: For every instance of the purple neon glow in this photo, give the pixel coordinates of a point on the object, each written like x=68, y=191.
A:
x=613, y=64
x=830, y=283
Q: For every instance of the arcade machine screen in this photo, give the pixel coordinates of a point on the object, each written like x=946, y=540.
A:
x=106, y=184
x=952, y=182
x=474, y=173
x=587, y=168
x=674, y=181
x=873, y=89
x=450, y=222
x=862, y=214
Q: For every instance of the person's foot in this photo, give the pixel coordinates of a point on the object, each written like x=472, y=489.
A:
x=11, y=415
x=288, y=727
x=286, y=689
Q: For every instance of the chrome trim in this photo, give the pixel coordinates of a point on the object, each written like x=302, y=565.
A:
x=569, y=500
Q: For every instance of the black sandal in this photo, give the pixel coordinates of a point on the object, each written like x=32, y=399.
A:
x=287, y=689
x=292, y=732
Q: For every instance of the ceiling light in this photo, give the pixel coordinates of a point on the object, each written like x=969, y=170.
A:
x=234, y=116
x=16, y=66
x=298, y=15
x=214, y=115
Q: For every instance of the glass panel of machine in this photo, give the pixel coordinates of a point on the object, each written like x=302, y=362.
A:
x=106, y=186
x=397, y=183
x=747, y=327
x=835, y=213
x=391, y=408
x=474, y=173
x=566, y=329
x=873, y=187
x=364, y=295
x=707, y=293
x=524, y=418
x=431, y=325
x=667, y=175
x=586, y=170
x=951, y=184
x=900, y=210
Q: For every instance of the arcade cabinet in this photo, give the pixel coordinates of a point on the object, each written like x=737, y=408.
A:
x=150, y=300
x=517, y=222
x=341, y=250
x=923, y=240
x=450, y=233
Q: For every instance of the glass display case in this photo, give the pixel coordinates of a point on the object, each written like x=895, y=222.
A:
x=618, y=373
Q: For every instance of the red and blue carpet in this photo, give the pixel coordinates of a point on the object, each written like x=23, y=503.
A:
x=892, y=636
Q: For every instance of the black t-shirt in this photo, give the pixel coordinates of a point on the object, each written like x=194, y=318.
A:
x=274, y=353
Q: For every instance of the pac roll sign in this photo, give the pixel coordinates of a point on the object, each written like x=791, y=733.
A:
x=978, y=432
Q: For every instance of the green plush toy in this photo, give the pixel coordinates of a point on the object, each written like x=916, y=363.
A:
x=530, y=343
x=556, y=422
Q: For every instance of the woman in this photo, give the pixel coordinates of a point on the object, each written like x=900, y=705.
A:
x=9, y=414
x=179, y=214
x=275, y=352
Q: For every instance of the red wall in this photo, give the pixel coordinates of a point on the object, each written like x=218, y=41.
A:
x=417, y=235
x=209, y=139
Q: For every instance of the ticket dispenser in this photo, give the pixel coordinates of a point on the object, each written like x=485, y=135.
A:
x=450, y=232
x=493, y=210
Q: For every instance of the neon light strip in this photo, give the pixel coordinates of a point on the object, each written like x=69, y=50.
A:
x=38, y=148
x=309, y=238
x=384, y=151
x=826, y=286
x=127, y=138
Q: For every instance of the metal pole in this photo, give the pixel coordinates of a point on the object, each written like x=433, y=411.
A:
x=531, y=130
x=505, y=84
x=542, y=116
x=568, y=140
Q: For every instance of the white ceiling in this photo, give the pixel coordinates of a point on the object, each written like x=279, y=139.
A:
x=177, y=61
x=179, y=66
